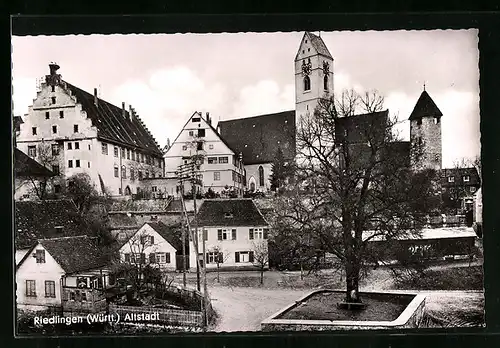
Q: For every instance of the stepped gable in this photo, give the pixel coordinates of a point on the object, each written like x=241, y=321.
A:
x=112, y=126
x=35, y=220
x=259, y=137
x=425, y=107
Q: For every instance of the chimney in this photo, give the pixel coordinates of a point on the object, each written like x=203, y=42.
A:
x=95, y=96
x=124, y=113
x=208, y=118
x=53, y=68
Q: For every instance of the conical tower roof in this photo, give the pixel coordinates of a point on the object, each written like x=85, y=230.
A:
x=425, y=107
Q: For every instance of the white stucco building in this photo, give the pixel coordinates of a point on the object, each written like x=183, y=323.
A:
x=219, y=166
x=71, y=131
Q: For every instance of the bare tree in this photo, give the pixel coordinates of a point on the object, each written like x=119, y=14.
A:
x=47, y=155
x=220, y=256
x=261, y=257
x=363, y=186
x=136, y=259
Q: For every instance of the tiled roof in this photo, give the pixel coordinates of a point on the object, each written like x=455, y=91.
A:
x=170, y=234
x=112, y=126
x=318, y=43
x=259, y=137
x=229, y=212
x=360, y=128
x=120, y=220
x=458, y=174
x=25, y=166
x=425, y=107
x=35, y=220
x=75, y=254
x=155, y=205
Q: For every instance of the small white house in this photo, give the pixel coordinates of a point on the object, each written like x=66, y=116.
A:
x=235, y=234
x=155, y=244
x=52, y=273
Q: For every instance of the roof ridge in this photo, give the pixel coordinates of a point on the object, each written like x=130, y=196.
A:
x=68, y=237
x=257, y=116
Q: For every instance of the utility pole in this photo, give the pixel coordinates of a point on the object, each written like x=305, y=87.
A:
x=183, y=243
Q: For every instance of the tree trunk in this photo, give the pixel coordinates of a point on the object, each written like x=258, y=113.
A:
x=301, y=271
x=261, y=277
x=352, y=268
x=218, y=274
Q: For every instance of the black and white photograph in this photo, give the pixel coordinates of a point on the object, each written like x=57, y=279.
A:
x=247, y=182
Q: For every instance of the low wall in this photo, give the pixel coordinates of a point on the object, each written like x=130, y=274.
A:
x=172, y=317
x=409, y=318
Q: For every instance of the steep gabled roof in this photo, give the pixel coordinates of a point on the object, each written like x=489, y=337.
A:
x=111, y=124
x=35, y=220
x=209, y=123
x=75, y=254
x=458, y=174
x=229, y=212
x=425, y=107
x=168, y=233
x=25, y=166
x=259, y=137
x=318, y=43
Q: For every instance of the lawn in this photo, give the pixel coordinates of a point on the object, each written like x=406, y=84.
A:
x=457, y=278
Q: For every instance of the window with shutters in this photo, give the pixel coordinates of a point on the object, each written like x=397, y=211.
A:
x=250, y=256
x=30, y=288
x=50, y=288
x=242, y=256
x=215, y=257
x=258, y=233
x=205, y=234
x=233, y=234
x=250, y=233
x=40, y=256
x=225, y=234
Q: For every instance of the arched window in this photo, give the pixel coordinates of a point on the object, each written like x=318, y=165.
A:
x=307, y=83
x=325, y=83
x=261, y=176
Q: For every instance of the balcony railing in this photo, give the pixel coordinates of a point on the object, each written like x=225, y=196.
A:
x=83, y=300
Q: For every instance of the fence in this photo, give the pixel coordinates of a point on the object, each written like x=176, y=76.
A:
x=164, y=316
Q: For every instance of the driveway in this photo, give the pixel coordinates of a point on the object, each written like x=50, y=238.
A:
x=244, y=308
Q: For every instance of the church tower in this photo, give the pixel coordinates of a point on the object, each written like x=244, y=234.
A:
x=313, y=74
x=425, y=134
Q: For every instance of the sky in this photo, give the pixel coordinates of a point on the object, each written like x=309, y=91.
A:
x=167, y=77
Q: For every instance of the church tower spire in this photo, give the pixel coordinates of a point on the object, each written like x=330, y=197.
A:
x=313, y=74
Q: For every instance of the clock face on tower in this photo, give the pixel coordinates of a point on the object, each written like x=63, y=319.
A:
x=306, y=68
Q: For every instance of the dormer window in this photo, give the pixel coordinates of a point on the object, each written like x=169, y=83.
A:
x=466, y=178
x=59, y=229
x=451, y=179
x=228, y=215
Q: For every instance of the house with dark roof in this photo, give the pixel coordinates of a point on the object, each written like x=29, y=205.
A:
x=219, y=166
x=69, y=273
x=258, y=139
x=27, y=173
x=81, y=132
x=34, y=220
x=459, y=186
x=155, y=244
x=235, y=233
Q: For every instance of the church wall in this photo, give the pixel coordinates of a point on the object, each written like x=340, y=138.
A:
x=252, y=170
